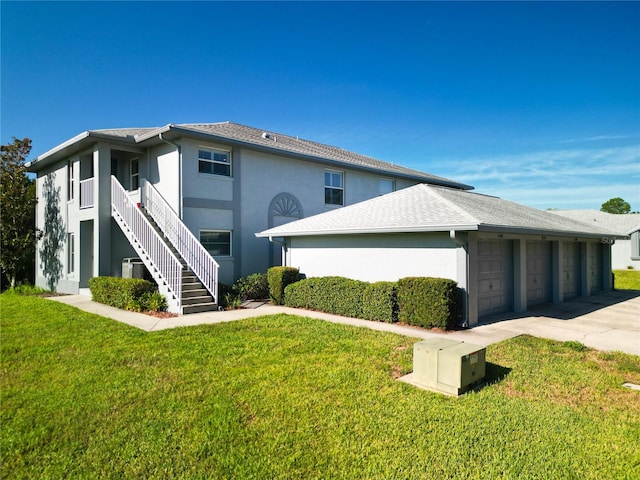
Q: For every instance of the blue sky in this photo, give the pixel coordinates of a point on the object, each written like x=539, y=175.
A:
x=537, y=103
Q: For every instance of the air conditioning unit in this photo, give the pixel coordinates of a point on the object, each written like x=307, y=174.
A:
x=447, y=366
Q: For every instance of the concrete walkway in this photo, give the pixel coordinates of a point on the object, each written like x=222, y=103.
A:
x=609, y=321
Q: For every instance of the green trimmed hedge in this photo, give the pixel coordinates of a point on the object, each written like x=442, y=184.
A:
x=428, y=302
x=124, y=293
x=380, y=302
x=278, y=279
x=338, y=295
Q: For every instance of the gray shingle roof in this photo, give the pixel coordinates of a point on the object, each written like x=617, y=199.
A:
x=285, y=143
x=430, y=208
x=620, y=224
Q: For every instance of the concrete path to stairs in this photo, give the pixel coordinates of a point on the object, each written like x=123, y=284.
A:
x=608, y=322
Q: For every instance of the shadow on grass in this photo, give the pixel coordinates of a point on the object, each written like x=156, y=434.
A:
x=495, y=373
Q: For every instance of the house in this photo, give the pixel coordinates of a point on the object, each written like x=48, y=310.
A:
x=625, y=253
x=187, y=200
x=505, y=256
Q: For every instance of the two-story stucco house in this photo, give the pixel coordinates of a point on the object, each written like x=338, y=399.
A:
x=188, y=199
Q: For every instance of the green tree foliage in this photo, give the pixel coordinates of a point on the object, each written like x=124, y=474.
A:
x=18, y=218
x=615, y=205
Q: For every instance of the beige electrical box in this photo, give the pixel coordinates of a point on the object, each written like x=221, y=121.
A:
x=448, y=366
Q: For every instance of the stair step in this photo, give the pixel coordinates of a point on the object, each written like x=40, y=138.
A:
x=196, y=292
x=195, y=300
x=191, y=286
x=202, y=307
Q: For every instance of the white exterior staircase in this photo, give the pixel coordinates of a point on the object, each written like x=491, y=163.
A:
x=187, y=276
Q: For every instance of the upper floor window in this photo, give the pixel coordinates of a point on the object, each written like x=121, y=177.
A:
x=135, y=174
x=216, y=242
x=333, y=188
x=70, y=180
x=215, y=162
x=386, y=186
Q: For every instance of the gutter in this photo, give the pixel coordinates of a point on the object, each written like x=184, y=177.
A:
x=284, y=248
x=179, y=149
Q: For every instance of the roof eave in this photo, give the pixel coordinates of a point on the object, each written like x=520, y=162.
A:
x=174, y=131
x=70, y=146
x=547, y=232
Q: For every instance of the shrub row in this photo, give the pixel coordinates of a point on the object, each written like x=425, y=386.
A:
x=126, y=293
x=421, y=301
x=278, y=278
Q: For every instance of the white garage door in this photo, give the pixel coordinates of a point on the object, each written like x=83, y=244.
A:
x=571, y=270
x=495, y=276
x=539, y=287
x=594, y=263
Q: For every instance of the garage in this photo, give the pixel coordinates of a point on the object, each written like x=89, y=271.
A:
x=539, y=283
x=504, y=256
x=495, y=277
x=571, y=270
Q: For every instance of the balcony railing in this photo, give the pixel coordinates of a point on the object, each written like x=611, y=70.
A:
x=86, y=193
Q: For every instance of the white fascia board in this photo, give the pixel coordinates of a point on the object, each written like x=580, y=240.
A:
x=58, y=149
x=360, y=231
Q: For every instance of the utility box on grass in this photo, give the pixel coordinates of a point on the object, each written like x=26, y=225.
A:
x=132, y=268
x=447, y=366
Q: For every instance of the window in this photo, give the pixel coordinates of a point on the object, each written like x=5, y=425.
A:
x=135, y=174
x=71, y=257
x=217, y=243
x=386, y=186
x=70, y=180
x=214, y=162
x=333, y=188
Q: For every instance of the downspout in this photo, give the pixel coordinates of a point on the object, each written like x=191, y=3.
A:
x=284, y=248
x=463, y=244
x=179, y=149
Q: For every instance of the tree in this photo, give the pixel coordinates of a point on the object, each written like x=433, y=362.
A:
x=615, y=205
x=18, y=219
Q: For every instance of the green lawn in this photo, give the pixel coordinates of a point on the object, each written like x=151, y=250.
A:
x=627, y=279
x=284, y=397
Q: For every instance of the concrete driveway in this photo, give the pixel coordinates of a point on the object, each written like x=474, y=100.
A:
x=610, y=321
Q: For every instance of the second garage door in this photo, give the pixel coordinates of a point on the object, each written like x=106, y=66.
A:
x=571, y=270
x=495, y=277
x=539, y=287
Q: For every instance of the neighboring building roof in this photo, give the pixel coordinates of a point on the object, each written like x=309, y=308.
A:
x=622, y=224
x=251, y=137
x=426, y=208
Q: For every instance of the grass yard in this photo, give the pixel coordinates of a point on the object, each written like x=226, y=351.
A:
x=627, y=279
x=286, y=397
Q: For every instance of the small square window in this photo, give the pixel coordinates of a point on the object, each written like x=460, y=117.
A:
x=217, y=243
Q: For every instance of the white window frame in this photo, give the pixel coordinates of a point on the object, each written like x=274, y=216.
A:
x=386, y=181
x=71, y=252
x=329, y=185
x=207, y=230
x=213, y=152
x=134, y=176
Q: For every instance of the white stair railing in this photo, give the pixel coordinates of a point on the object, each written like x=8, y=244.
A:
x=153, y=251
x=197, y=257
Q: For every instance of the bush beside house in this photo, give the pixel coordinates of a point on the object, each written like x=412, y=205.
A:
x=428, y=302
x=421, y=301
x=127, y=293
x=278, y=279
